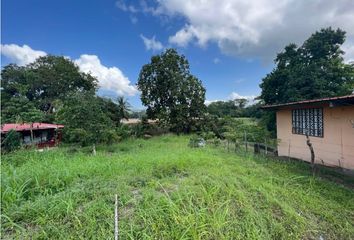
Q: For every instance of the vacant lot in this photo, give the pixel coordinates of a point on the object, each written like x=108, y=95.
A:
x=168, y=191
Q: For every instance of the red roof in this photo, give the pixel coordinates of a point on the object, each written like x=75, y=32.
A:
x=305, y=102
x=27, y=126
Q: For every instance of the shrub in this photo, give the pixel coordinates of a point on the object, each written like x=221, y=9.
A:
x=196, y=141
x=11, y=142
x=123, y=131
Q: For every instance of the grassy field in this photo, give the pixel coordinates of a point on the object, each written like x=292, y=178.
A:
x=168, y=191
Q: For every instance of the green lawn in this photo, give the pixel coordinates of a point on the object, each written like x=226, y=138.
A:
x=168, y=191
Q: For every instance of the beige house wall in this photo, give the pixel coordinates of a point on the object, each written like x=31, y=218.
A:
x=335, y=148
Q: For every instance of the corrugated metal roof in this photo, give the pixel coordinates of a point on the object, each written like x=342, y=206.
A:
x=304, y=102
x=27, y=126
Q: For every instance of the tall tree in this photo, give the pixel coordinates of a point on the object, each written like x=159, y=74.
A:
x=170, y=92
x=44, y=82
x=314, y=70
x=123, y=108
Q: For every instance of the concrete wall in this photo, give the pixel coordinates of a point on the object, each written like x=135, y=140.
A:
x=335, y=148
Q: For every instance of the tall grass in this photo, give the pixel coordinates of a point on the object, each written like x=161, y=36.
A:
x=168, y=191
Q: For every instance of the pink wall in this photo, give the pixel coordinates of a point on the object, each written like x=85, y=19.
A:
x=335, y=148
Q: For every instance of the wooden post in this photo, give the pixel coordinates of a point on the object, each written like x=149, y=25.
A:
x=116, y=230
x=94, y=150
x=256, y=148
x=31, y=130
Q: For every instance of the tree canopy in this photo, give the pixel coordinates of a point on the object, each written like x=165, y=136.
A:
x=53, y=89
x=84, y=119
x=234, y=108
x=170, y=92
x=314, y=70
x=48, y=80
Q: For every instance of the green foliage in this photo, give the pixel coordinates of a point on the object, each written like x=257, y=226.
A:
x=196, y=141
x=84, y=120
x=237, y=130
x=138, y=130
x=170, y=92
x=137, y=114
x=110, y=108
x=178, y=191
x=11, y=142
x=41, y=86
x=231, y=108
x=314, y=70
x=19, y=109
x=123, y=131
x=123, y=108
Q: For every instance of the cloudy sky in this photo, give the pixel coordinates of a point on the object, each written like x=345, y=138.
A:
x=230, y=44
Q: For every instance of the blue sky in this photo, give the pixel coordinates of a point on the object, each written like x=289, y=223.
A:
x=230, y=44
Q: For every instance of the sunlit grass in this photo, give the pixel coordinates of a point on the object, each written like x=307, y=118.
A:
x=168, y=191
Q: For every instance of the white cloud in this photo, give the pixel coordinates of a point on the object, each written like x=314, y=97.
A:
x=20, y=55
x=183, y=36
x=152, y=43
x=122, y=5
x=235, y=95
x=109, y=78
x=207, y=102
x=257, y=28
x=250, y=98
x=216, y=60
x=143, y=7
x=349, y=52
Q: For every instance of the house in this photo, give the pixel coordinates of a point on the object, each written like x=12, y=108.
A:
x=40, y=134
x=329, y=122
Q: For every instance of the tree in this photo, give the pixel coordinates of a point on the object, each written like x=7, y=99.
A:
x=170, y=92
x=123, y=108
x=233, y=108
x=116, y=111
x=85, y=121
x=314, y=70
x=45, y=82
x=19, y=109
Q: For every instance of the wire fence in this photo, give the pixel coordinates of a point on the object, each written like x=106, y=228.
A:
x=330, y=154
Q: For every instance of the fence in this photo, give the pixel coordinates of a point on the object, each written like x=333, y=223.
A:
x=250, y=144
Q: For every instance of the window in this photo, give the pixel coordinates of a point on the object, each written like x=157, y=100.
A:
x=308, y=120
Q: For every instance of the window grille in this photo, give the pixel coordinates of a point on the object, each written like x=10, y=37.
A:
x=308, y=120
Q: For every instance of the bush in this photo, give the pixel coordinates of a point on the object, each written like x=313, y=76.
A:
x=11, y=142
x=123, y=131
x=196, y=141
x=109, y=136
x=85, y=121
x=138, y=130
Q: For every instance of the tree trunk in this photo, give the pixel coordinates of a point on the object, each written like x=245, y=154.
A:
x=309, y=144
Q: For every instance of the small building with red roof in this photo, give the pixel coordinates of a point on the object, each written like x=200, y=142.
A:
x=40, y=134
